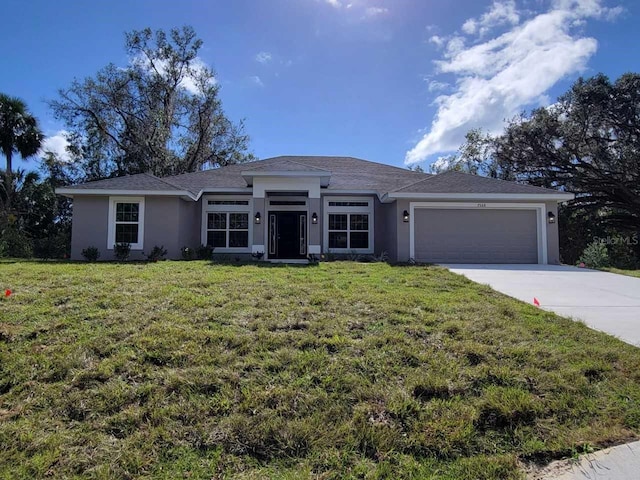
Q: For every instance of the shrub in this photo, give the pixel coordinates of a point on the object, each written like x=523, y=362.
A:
x=55, y=245
x=204, y=252
x=621, y=251
x=91, y=254
x=157, y=253
x=122, y=251
x=187, y=253
x=595, y=255
x=15, y=243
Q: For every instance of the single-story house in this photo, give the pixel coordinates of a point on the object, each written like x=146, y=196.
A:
x=291, y=207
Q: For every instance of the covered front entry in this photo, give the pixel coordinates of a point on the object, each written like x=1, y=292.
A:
x=288, y=235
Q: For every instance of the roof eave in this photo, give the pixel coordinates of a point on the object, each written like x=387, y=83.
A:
x=71, y=192
x=547, y=197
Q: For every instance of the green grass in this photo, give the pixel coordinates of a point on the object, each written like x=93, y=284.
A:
x=620, y=271
x=343, y=370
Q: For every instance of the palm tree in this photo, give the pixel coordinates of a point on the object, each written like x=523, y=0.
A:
x=19, y=133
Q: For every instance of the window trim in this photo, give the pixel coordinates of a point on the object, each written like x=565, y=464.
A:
x=111, y=229
x=207, y=209
x=348, y=210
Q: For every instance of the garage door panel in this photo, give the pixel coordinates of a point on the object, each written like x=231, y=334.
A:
x=475, y=235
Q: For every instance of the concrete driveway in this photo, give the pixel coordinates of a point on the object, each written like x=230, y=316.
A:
x=604, y=301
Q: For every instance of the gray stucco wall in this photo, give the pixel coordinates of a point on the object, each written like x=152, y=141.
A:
x=168, y=221
x=402, y=231
x=89, y=228
x=162, y=224
x=258, y=230
x=315, y=232
x=174, y=223
x=190, y=221
x=385, y=239
x=553, y=240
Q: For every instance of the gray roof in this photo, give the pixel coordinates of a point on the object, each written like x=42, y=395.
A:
x=141, y=181
x=282, y=166
x=458, y=182
x=347, y=173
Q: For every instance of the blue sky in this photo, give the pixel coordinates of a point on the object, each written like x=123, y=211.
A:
x=397, y=82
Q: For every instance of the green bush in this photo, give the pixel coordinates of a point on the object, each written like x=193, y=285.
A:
x=55, y=245
x=122, y=251
x=91, y=254
x=187, y=253
x=157, y=253
x=621, y=252
x=595, y=255
x=204, y=252
x=15, y=243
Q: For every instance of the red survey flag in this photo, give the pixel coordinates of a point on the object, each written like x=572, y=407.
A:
x=7, y=292
x=536, y=302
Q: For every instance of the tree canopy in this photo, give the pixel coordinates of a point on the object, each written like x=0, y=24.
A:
x=588, y=143
x=19, y=134
x=160, y=114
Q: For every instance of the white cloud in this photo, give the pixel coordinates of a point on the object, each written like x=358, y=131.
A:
x=334, y=3
x=497, y=78
x=442, y=164
x=264, y=57
x=189, y=80
x=371, y=12
x=437, y=40
x=470, y=26
x=436, y=86
x=359, y=9
x=257, y=81
x=56, y=144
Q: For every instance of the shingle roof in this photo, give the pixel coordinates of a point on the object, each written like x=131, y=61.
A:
x=141, y=181
x=458, y=182
x=347, y=173
x=283, y=166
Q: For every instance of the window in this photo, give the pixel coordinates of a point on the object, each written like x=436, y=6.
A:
x=228, y=230
x=228, y=202
x=348, y=231
x=126, y=222
x=348, y=204
x=287, y=202
x=227, y=222
x=349, y=224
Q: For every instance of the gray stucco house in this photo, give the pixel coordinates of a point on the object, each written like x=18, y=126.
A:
x=296, y=206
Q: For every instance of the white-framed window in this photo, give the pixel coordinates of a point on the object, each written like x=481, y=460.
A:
x=227, y=223
x=126, y=222
x=228, y=229
x=348, y=224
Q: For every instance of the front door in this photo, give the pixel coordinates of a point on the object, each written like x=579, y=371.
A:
x=288, y=235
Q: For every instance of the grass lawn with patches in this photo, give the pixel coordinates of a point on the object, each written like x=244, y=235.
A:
x=342, y=370
x=620, y=271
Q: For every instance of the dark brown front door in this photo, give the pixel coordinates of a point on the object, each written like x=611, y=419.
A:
x=288, y=235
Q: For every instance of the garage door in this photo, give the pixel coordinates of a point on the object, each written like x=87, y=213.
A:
x=475, y=236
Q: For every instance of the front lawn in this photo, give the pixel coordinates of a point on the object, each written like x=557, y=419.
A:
x=620, y=271
x=341, y=370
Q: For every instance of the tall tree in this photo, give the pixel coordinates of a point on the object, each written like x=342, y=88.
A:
x=587, y=143
x=477, y=156
x=160, y=114
x=19, y=134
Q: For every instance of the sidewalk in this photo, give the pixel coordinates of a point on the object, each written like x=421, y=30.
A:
x=616, y=463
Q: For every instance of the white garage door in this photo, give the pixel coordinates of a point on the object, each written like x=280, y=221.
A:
x=475, y=235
